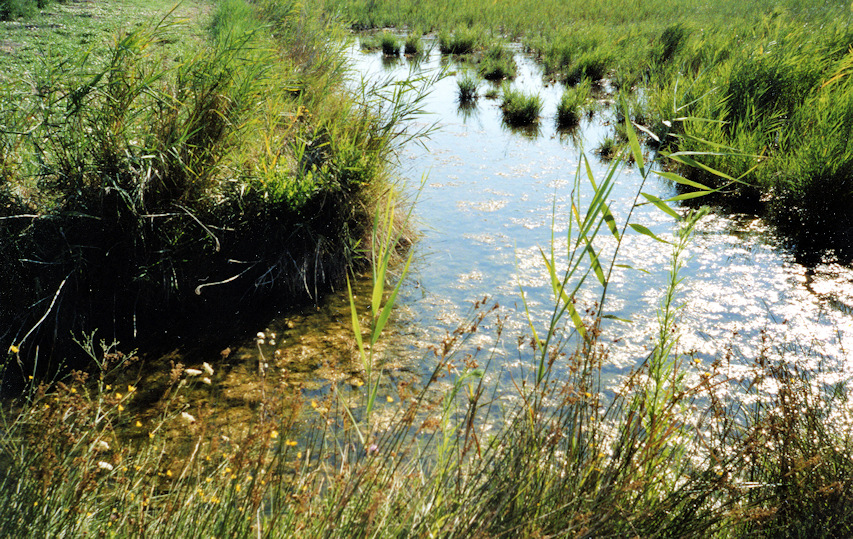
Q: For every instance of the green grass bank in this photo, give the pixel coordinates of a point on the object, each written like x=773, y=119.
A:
x=161, y=165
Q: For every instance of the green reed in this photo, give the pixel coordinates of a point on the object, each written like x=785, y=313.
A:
x=519, y=108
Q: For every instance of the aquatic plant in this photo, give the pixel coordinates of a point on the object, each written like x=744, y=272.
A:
x=572, y=104
x=389, y=44
x=413, y=44
x=520, y=108
x=609, y=148
x=467, y=85
x=497, y=64
x=462, y=40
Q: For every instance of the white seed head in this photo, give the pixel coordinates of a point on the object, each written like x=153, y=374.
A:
x=192, y=372
x=101, y=445
x=187, y=417
x=206, y=380
x=105, y=465
x=207, y=368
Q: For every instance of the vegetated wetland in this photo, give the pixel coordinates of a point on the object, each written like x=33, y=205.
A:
x=731, y=417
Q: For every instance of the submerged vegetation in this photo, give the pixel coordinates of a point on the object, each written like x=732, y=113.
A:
x=180, y=172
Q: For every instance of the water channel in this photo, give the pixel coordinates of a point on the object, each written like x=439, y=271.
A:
x=491, y=199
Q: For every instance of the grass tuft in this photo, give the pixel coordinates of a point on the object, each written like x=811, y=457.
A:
x=520, y=108
x=467, y=85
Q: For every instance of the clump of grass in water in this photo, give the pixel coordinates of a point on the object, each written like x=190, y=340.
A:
x=462, y=40
x=413, y=45
x=520, y=108
x=467, y=85
x=609, y=148
x=497, y=64
x=390, y=44
x=370, y=42
x=572, y=104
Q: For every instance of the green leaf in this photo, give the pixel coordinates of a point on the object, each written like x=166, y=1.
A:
x=596, y=265
x=661, y=205
x=682, y=180
x=634, y=142
x=356, y=325
x=613, y=317
x=646, y=232
x=576, y=319
x=389, y=305
x=626, y=266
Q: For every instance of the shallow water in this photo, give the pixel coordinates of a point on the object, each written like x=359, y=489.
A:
x=487, y=209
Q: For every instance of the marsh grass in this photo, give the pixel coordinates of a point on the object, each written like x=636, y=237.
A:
x=520, y=108
x=769, y=82
x=389, y=44
x=497, y=64
x=462, y=40
x=467, y=86
x=572, y=105
x=413, y=44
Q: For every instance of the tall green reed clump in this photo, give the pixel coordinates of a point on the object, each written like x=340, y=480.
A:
x=661, y=454
x=413, y=45
x=520, y=108
x=462, y=40
x=467, y=86
x=390, y=44
x=572, y=104
x=175, y=188
x=497, y=64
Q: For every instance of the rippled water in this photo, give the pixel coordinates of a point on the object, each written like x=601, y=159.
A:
x=487, y=209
